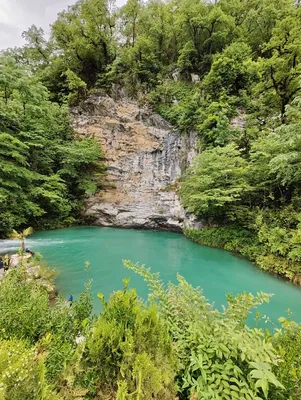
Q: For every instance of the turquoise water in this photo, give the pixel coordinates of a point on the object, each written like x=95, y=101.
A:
x=216, y=271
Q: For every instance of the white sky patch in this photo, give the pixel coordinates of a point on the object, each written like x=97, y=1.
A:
x=17, y=16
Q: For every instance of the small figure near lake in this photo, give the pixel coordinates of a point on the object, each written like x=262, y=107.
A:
x=70, y=300
x=27, y=250
x=6, y=262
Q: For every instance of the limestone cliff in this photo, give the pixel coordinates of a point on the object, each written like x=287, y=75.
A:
x=145, y=156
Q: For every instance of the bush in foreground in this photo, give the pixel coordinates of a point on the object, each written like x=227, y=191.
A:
x=175, y=345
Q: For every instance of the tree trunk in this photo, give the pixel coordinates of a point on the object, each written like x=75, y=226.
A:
x=283, y=105
x=134, y=32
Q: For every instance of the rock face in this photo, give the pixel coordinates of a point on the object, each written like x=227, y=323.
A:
x=145, y=157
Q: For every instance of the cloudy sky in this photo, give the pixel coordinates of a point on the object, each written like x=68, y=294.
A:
x=17, y=15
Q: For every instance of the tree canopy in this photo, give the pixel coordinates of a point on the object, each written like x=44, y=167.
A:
x=44, y=171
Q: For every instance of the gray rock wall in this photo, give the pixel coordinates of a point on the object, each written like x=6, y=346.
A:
x=145, y=156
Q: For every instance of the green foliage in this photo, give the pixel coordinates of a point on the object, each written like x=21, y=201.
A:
x=257, y=190
x=281, y=68
x=219, y=356
x=130, y=14
x=44, y=171
x=215, y=181
x=76, y=87
x=231, y=238
x=128, y=353
x=84, y=35
x=232, y=44
x=25, y=314
x=287, y=341
x=22, y=373
x=175, y=102
x=187, y=57
x=136, y=67
x=24, y=309
x=205, y=30
x=134, y=350
x=231, y=71
x=214, y=126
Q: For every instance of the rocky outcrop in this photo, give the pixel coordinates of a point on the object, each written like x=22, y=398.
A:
x=145, y=157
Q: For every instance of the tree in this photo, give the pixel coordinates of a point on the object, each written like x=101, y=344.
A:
x=130, y=13
x=9, y=74
x=231, y=71
x=255, y=20
x=215, y=181
x=157, y=22
x=16, y=204
x=84, y=34
x=276, y=164
x=206, y=28
x=37, y=49
x=214, y=126
x=137, y=67
x=281, y=68
x=21, y=236
x=77, y=88
x=37, y=145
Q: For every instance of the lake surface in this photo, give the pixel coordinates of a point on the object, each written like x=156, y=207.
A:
x=216, y=271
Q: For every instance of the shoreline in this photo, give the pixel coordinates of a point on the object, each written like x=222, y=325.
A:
x=40, y=273
x=294, y=280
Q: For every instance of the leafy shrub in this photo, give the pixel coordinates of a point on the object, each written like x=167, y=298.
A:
x=22, y=373
x=287, y=341
x=25, y=314
x=219, y=357
x=178, y=103
x=215, y=181
x=231, y=238
x=128, y=351
x=232, y=70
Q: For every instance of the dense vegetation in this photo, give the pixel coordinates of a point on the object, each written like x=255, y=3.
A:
x=175, y=345
x=250, y=196
x=44, y=172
